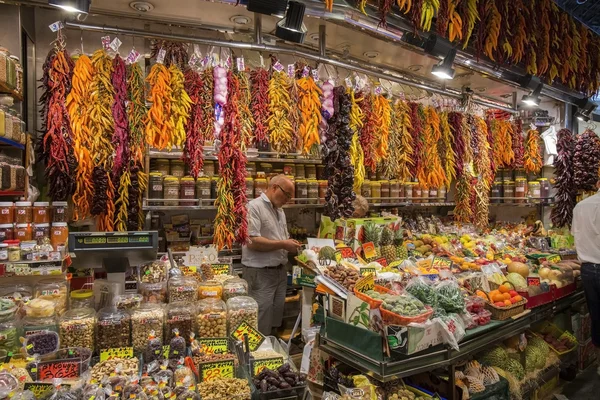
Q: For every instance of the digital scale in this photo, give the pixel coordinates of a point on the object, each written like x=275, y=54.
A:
x=113, y=252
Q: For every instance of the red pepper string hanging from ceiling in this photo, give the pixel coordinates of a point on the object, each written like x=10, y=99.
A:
x=532, y=158
x=483, y=170
x=193, y=152
x=416, y=133
x=367, y=133
x=259, y=80
x=566, y=191
x=246, y=117
x=446, y=149
x=207, y=123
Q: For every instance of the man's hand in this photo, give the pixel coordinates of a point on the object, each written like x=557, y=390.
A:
x=291, y=245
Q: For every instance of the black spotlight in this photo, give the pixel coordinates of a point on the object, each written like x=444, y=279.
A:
x=79, y=6
x=291, y=27
x=268, y=7
x=585, y=109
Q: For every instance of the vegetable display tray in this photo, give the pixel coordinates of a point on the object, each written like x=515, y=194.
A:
x=504, y=313
x=566, y=290
x=373, y=303
x=396, y=319
x=548, y=328
x=537, y=300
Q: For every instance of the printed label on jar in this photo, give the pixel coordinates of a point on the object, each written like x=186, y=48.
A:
x=172, y=192
x=50, y=292
x=39, y=233
x=520, y=190
x=179, y=318
x=57, y=233
x=109, y=322
x=205, y=192
x=209, y=292
x=236, y=290
x=21, y=233
x=59, y=210
x=147, y=321
x=188, y=192
x=157, y=188
x=41, y=211
x=303, y=192
x=213, y=316
x=75, y=327
x=185, y=289
x=19, y=211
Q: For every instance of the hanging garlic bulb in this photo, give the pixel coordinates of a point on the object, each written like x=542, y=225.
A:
x=220, y=98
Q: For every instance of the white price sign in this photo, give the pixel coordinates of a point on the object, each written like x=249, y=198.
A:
x=196, y=255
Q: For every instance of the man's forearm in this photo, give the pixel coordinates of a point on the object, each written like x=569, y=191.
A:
x=259, y=243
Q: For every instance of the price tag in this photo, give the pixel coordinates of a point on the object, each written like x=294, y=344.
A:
x=48, y=370
x=42, y=390
x=554, y=258
x=220, y=269
x=213, y=345
x=160, y=58
x=338, y=257
x=533, y=281
x=270, y=363
x=395, y=264
x=117, y=352
x=347, y=252
x=291, y=70
x=165, y=351
x=441, y=263
x=255, y=338
x=367, y=271
x=382, y=261
x=216, y=370
x=278, y=67
x=365, y=283
x=369, y=250
x=115, y=44
x=56, y=26
x=315, y=74
x=105, y=42
x=241, y=64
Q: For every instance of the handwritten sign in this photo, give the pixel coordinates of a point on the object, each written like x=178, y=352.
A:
x=221, y=269
x=270, y=363
x=255, y=338
x=197, y=254
x=213, y=345
x=117, y=352
x=369, y=250
x=367, y=271
x=365, y=283
x=48, y=370
x=216, y=370
x=533, y=281
x=41, y=390
x=441, y=263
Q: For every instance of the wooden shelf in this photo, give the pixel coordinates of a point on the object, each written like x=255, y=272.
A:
x=8, y=142
x=13, y=193
x=12, y=93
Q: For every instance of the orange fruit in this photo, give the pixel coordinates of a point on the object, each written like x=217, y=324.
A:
x=507, y=303
x=513, y=300
x=503, y=289
x=499, y=304
x=518, y=298
x=481, y=294
x=494, y=293
x=506, y=296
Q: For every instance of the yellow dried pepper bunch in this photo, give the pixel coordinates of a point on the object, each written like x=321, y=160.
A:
x=532, y=159
x=159, y=125
x=447, y=153
x=106, y=219
x=406, y=147
x=493, y=30
x=383, y=110
x=136, y=112
x=469, y=10
x=102, y=122
x=310, y=111
x=122, y=203
x=429, y=9
x=455, y=23
x=295, y=116
x=79, y=106
x=431, y=174
x=357, y=155
x=392, y=164
x=503, y=153
x=484, y=173
x=180, y=107
x=281, y=136
x=246, y=117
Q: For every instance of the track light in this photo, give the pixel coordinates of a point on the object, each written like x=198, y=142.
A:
x=585, y=109
x=533, y=99
x=74, y=6
x=581, y=116
x=268, y=7
x=444, y=69
x=291, y=27
x=440, y=47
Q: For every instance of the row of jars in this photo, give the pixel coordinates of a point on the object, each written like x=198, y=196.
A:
x=187, y=288
x=410, y=192
x=11, y=125
x=14, y=236
x=519, y=190
x=40, y=212
x=12, y=176
x=11, y=71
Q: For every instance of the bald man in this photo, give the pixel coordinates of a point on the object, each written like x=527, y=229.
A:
x=264, y=258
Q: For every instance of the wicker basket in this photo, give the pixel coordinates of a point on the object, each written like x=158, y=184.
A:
x=504, y=313
x=495, y=286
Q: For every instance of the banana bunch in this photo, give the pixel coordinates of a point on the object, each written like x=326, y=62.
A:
x=428, y=11
x=280, y=128
x=310, y=109
x=404, y=5
x=102, y=121
x=159, y=124
x=180, y=108
x=357, y=156
x=472, y=15
x=493, y=31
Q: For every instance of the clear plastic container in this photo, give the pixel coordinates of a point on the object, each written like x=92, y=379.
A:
x=39, y=316
x=59, y=211
x=9, y=337
x=41, y=212
x=113, y=328
x=6, y=212
x=183, y=288
x=210, y=289
x=82, y=298
x=129, y=301
x=179, y=315
x=241, y=309
x=211, y=318
x=77, y=327
x=153, y=272
x=41, y=343
x=21, y=294
x=234, y=287
x=144, y=320
x=153, y=292
x=53, y=290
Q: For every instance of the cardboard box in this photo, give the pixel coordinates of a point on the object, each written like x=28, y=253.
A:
x=586, y=355
x=354, y=311
x=410, y=339
x=548, y=382
x=582, y=327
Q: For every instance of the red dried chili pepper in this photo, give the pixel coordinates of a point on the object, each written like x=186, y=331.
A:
x=259, y=79
x=120, y=139
x=193, y=152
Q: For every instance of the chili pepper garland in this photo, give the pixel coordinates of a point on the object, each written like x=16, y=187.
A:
x=357, y=156
x=482, y=169
x=566, y=191
x=416, y=111
x=395, y=165
x=159, y=124
x=431, y=174
x=532, y=158
x=259, y=80
x=78, y=107
x=367, y=133
x=294, y=115
x=180, y=108
x=490, y=140
x=310, y=109
x=517, y=144
x=246, y=117
x=280, y=129
x=446, y=149
x=586, y=161
x=193, y=153
x=503, y=152
x=207, y=124
x=383, y=111
x=455, y=121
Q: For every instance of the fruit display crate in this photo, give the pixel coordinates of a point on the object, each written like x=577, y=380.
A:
x=556, y=338
x=537, y=300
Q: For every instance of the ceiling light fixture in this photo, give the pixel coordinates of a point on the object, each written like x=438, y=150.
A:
x=585, y=109
x=268, y=7
x=74, y=6
x=141, y=6
x=291, y=27
x=444, y=69
x=533, y=99
x=581, y=116
x=371, y=54
x=441, y=48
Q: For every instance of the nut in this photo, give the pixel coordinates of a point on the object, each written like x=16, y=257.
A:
x=214, y=357
x=236, y=317
x=212, y=324
x=143, y=321
x=182, y=293
x=153, y=272
x=183, y=322
x=129, y=367
x=226, y=388
x=113, y=331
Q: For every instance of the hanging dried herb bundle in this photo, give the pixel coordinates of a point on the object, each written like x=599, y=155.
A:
x=357, y=156
x=432, y=173
x=174, y=53
x=259, y=79
x=532, y=157
x=193, y=151
x=281, y=135
x=339, y=170
x=446, y=151
x=383, y=111
x=586, y=161
x=79, y=107
x=566, y=191
x=416, y=132
x=367, y=133
x=159, y=124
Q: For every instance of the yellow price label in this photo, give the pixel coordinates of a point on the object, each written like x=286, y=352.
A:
x=554, y=258
x=42, y=390
x=441, y=263
x=270, y=363
x=213, y=345
x=395, y=264
x=365, y=283
x=117, y=352
x=216, y=370
x=338, y=257
x=369, y=250
x=367, y=271
x=255, y=338
x=220, y=269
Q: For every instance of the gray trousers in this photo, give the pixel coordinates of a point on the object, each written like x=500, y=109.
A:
x=267, y=287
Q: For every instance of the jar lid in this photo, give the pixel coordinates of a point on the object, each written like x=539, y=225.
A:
x=543, y=179
x=187, y=179
x=59, y=224
x=44, y=225
x=3, y=245
x=23, y=204
x=210, y=162
x=6, y=226
x=261, y=179
x=172, y=179
x=300, y=180
x=162, y=161
x=41, y=204
x=533, y=183
x=249, y=178
x=203, y=179
x=59, y=203
x=82, y=294
x=7, y=204
x=312, y=181
x=508, y=181
x=155, y=173
x=22, y=225
x=520, y=179
x=323, y=181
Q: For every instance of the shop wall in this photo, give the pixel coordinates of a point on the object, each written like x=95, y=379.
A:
x=10, y=33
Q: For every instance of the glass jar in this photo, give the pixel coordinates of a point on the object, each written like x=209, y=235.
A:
x=442, y=193
x=171, y=187
x=301, y=190
x=9, y=334
x=183, y=288
x=210, y=289
x=496, y=192
x=385, y=191
x=17, y=124
x=155, y=188
x=23, y=232
x=82, y=298
x=209, y=168
x=289, y=169
x=417, y=192
x=424, y=194
x=113, y=328
x=40, y=315
x=3, y=65
x=394, y=191
x=313, y=191
x=14, y=250
x=241, y=309
x=53, y=289
x=6, y=212
x=127, y=301
x=179, y=316
x=408, y=192
x=77, y=328
x=311, y=171
x=203, y=189
x=20, y=178
x=2, y=119
x=177, y=168
x=162, y=166
x=211, y=318
x=59, y=235
x=544, y=189
x=8, y=114
x=144, y=320
x=366, y=189
x=300, y=171
x=520, y=174
x=249, y=188
x=41, y=212
x=41, y=232
x=251, y=169
x=213, y=187
x=322, y=191
x=508, y=189
x=27, y=249
x=3, y=252
x=520, y=190
x=153, y=292
x=321, y=172
x=12, y=72
x=433, y=195
x=21, y=294
x=187, y=191
x=534, y=190
x=266, y=168
x=59, y=211
x=234, y=287
x=376, y=191
x=260, y=186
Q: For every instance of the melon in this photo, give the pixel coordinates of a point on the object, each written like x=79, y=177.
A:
x=518, y=268
x=517, y=280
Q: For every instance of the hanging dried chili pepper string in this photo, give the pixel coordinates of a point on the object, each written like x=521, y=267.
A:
x=78, y=107
x=532, y=159
x=281, y=134
x=357, y=156
x=310, y=109
x=207, y=126
x=431, y=174
x=246, y=117
x=447, y=153
x=383, y=109
x=180, y=107
x=259, y=79
x=566, y=191
x=415, y=133
x=455, y=121
x=193, y=153
x=159, y=124
x=483, y=171
x=294, y=115
x=390, y=165
x=586, y=161
x=517, y=144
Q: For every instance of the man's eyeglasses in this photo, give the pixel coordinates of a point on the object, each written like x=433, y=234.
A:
x=288, y=195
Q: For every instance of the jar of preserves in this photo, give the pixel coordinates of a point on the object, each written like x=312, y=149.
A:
x=408, y=191
x=417, y=192
x=211, y=319
x=6, y=212
x=251, y=169
x=14, y=250
x=77, y=327
x=241, y=309
x=433, y=195
x=442, y=193
x=544, y=189
x=8, y=114
x=534, y=190
x=203, y=189
x=23, y=232
x=3, y=252
x=322, y=191
x=59, y=233
x=424, y=194
x=366, y=189
x=385, y=191
x=27, y=249
x=520, y=190
x=113, y=326
x=187, y=191
x=4, y=56
x=162, y=166
x=234, y=287
x=40, y=315
x=179, y=316
x=260, y=186
x=55, y=290
x=59, y=211
x=210, y=289
x=2, y=119
x=394, y=191
x=508, y=188
x=171, y=185
x=313, y=191
x=376, y=191
x=177, y=168
x=209, y=168
x=301, y=190
x=146, y=319
x=41, y=232
x=82, y=298
x=266, y=168
x=289, y=169
x=496, y=192
x=300, y=171
x=155, y=188
x=183, y=288
x=41, y=212
x=311, y=171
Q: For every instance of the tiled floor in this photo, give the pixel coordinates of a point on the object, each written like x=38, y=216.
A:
x=585, y=387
